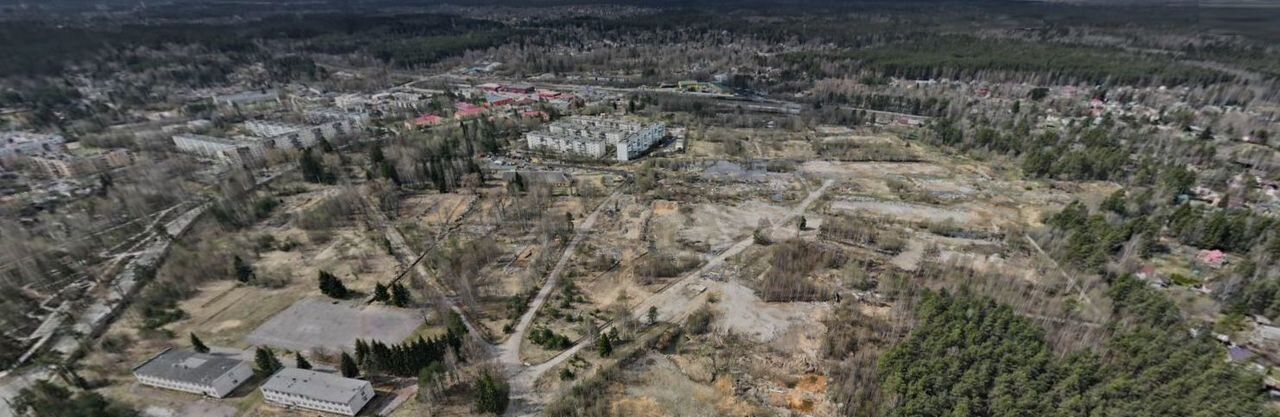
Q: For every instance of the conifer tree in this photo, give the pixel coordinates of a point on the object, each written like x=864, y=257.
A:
x=198, y=345
x=605, y=346
x=265, y=362
x=300, y=362
x=380, y=293
x=349, y=367
x=244, y=272
x=399, y=295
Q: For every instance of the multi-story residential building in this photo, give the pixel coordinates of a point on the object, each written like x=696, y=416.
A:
x=68, y=165
x=330, y=115
x=594, y=137
x=197, y=373
x=292, y=387
x=221, y=149
x=291, y=136
x=26, y=144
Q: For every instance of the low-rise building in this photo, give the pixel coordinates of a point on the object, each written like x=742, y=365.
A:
x=194, y=372
x=14, y=144
x=292, y=387
x=69, y=165
x=248, y=100
x=595, y=137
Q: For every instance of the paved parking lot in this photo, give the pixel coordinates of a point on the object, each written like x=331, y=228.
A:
x=320, y=323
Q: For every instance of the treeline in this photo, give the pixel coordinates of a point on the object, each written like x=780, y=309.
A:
x=417, y=52
x=967, y=57
x=928, y=106
x=39, y=48
x=969, y=356
x=409, y=358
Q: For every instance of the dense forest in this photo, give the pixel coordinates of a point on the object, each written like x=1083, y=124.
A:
x=969, y=356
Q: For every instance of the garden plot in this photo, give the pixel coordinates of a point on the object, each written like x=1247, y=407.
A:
x=317, y=323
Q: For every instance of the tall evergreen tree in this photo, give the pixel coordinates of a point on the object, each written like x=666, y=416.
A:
x=380, y=293
x=198, y=345
x=604, y=346
x=331, y=286
x=244, y=271
x=265, y=362
x=399, y=295
x=300, y=362
x=349, y=368
x=362, y=351
x=492, y=395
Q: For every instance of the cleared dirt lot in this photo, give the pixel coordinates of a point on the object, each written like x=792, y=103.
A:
x=903, y=211
x=332, y=325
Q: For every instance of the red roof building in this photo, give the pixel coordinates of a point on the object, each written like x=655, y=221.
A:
x=425, y=120
x=531, y=114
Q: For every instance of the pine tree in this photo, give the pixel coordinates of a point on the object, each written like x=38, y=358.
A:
x=653, y=315
x=198, y=345
x=492, y=395
x=605, y=346
x=332, y=286
x=362, y=351
x=349, y=368
x=803, y=223
x=380, y=293
x=399, y=295
x=244, y=272
x=265, y=362
x=300, y=362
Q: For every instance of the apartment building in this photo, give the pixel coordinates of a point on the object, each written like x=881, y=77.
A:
x=597, y=137
x=301, y=388
x=292, y=136
x=221, y=149
x=193, y=372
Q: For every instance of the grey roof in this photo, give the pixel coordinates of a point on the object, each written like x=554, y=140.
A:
x=1239, y=354
x=205, y=138
x=317, y=385
x=187, y=366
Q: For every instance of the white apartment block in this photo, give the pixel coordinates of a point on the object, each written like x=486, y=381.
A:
x=290, y=136
x=197, y=373
x=292, y=387
x=330, y=115
x=220, y=149
x=595, y=137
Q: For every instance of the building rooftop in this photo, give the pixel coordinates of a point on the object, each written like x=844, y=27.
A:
x=14, y=137
x=312, y=384
x=187, y=366
x=205, y=138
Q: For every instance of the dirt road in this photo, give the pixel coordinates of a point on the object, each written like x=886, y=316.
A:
x=673, y=305
x=509, y=352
